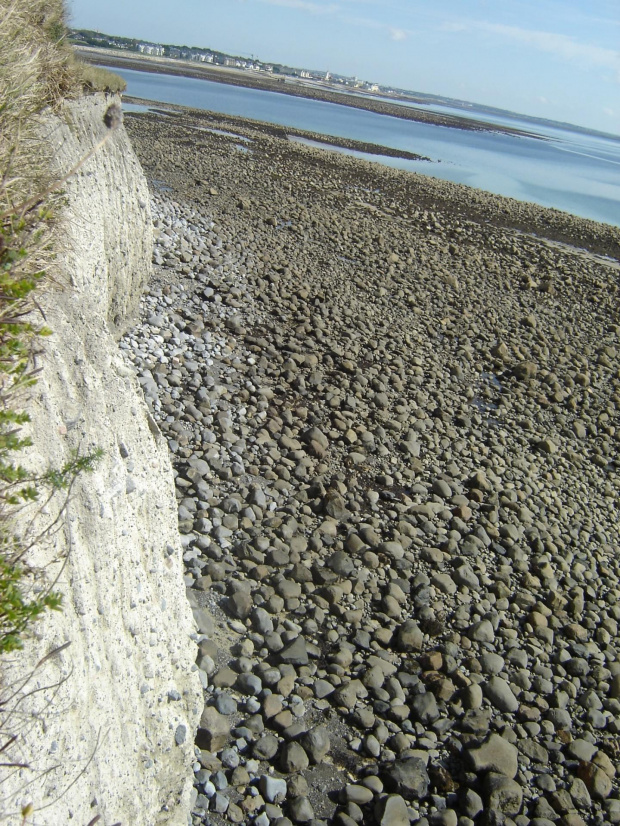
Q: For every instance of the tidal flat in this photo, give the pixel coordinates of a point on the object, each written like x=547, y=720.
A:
x=392, y=406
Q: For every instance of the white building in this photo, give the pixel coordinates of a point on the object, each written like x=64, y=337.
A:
x=150, y=48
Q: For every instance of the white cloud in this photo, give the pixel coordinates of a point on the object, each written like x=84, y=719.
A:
x=318, y=7
x=304, y=5
x=455, y=26
x=398, y=34
x=395, y=33
x=342, y=9
x=562, y=46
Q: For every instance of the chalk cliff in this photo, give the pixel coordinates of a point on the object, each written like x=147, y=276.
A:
x=116, y=737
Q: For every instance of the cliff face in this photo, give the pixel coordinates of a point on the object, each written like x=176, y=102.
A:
x=120, y=726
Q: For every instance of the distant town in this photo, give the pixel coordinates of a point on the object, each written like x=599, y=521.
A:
x=310, y=77
x=195, y=54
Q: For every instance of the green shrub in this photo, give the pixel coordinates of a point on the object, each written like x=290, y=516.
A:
x=18, y=337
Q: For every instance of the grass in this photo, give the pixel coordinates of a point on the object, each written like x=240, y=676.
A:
x=35, y=74
x=94, y=79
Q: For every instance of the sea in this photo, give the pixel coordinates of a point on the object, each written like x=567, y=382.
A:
x=556, y=167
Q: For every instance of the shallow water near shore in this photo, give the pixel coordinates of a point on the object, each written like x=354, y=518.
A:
x=570, y=171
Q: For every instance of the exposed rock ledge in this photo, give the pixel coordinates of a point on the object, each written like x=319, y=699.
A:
x=129, y=695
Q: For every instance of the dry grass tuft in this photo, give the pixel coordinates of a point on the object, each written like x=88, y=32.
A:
x=36, y=72
x=95, y=79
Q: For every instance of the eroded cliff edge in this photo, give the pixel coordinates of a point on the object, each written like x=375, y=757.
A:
x=116, y=737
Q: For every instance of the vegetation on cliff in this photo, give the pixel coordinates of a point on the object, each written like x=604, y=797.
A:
x=37, y=72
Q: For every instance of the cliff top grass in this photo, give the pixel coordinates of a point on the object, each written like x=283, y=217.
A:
x=38, y=70
x=95, y=79
x=35, y=73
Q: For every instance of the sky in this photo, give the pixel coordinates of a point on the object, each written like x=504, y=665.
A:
x=556, y=59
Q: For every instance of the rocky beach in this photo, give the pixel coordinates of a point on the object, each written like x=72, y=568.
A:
x=392, y=405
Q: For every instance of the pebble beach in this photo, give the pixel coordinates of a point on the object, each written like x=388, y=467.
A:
x=392, y=406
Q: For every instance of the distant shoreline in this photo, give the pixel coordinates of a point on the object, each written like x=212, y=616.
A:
x=286, y=132
x=235, y=77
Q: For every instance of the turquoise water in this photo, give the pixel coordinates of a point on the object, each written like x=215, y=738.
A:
x=571, y=171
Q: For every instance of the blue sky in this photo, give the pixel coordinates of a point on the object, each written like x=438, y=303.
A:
x=558, y=59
